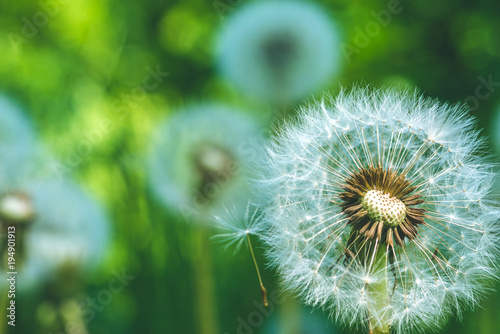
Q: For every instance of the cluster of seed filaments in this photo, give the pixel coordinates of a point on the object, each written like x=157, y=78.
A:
x=381, y=204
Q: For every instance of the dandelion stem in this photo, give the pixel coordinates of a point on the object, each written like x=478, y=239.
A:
x=206, y=305
x=262, y=288
x=379, y=294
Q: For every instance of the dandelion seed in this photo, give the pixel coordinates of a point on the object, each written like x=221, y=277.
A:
x=235, y=227
x=237, y=231
x=277, y=50
x=393, y=185
x=201, y=159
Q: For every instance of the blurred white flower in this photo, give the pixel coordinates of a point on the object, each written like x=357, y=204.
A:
x=70, y=228
x=201, y=159
x=56, y=222
x=279, y=50
x=380, y=210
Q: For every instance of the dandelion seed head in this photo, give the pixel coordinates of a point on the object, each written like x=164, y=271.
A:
x=397, y=195
x=201, y=159
x=69, y=228
x=58, y=222
x=65, y=228
x=279, y=50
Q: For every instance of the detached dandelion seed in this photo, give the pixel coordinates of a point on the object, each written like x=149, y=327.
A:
x=237, y=231
x=381, y=210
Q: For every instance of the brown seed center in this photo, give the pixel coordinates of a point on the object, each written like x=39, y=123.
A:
x=383, y=205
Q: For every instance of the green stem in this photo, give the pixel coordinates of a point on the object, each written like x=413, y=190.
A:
x=206, y=311
x=379, y=294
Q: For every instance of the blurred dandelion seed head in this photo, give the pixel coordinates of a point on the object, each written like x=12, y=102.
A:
x=70, y=229
x=16, y=207
x=201, y=159
x=379, y=208
x=65, y=225
x=277, y=50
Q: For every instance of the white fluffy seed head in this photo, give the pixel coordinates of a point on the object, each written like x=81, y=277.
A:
x=70, y=227
x=201, y=158
x=65, y=225
x=449, y=262
x=279, y=50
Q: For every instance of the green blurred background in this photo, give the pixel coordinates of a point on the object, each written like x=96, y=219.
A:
x=72, y=74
